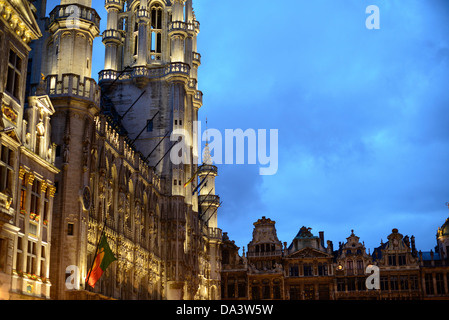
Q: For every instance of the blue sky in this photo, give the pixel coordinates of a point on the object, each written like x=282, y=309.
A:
x=362, y=114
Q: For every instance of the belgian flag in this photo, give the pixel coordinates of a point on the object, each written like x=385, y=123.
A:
x=191, y=179
x=103, y=259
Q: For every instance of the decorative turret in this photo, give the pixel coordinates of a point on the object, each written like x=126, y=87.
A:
x=208, y=201
x=73, y=26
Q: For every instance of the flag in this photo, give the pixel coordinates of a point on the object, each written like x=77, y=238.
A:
x=103, y=259
x=191, y=179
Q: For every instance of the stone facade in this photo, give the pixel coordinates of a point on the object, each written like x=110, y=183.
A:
x=89, y=153
x=310, y=269
x=27, y=156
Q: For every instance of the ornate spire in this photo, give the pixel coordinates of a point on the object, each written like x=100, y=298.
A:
x=206, y=155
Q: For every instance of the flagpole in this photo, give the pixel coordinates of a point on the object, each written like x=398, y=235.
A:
x=214, y=212
x=205, y=196
x=95, y=253
x=202, y=181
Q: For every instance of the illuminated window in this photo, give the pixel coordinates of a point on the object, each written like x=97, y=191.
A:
x=35, y=198
x=23, y=194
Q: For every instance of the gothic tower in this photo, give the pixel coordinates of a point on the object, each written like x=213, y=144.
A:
x=67, y=50
x=209, y=202
x=150, y=89
x=150, y=82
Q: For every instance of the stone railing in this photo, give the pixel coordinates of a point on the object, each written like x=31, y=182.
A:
x=175, y=26
x=74, y=11
x=178, y=68
x=113, y=4
x=208, y=167
x=196, y=58
x=213, y=233
x=264, y=254
x=198, y=97
x=71, y=85
x=143, y=14
x=112, y=35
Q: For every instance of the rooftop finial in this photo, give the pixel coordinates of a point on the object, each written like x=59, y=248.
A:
x=206, y=156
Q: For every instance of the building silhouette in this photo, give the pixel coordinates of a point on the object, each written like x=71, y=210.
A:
x=312, y=269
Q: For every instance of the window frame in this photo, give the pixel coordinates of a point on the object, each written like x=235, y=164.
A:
x=14, y=74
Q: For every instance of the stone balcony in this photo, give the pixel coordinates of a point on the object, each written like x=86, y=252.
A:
x=143, y=15
x=183, y=27
x=208, y=168
x=196, y=58
x=212, y=233
x=275, y=253
x=172, y=69
x=110, y=4
x=74, y=12
x=72, y=86
x=198, y=97
x=113, y=36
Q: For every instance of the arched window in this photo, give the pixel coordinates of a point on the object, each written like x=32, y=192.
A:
x=156, y=32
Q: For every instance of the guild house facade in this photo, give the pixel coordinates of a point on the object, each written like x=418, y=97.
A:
x=310, y=268
x=81, y=158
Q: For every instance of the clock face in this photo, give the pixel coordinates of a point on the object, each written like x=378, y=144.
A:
x=86, y=198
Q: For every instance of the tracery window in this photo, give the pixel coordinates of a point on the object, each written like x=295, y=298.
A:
x=156, y=32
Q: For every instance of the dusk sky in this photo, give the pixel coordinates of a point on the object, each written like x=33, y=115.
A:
x=362, y=114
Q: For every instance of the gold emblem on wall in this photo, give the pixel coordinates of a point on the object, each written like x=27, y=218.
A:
x=9, y=113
